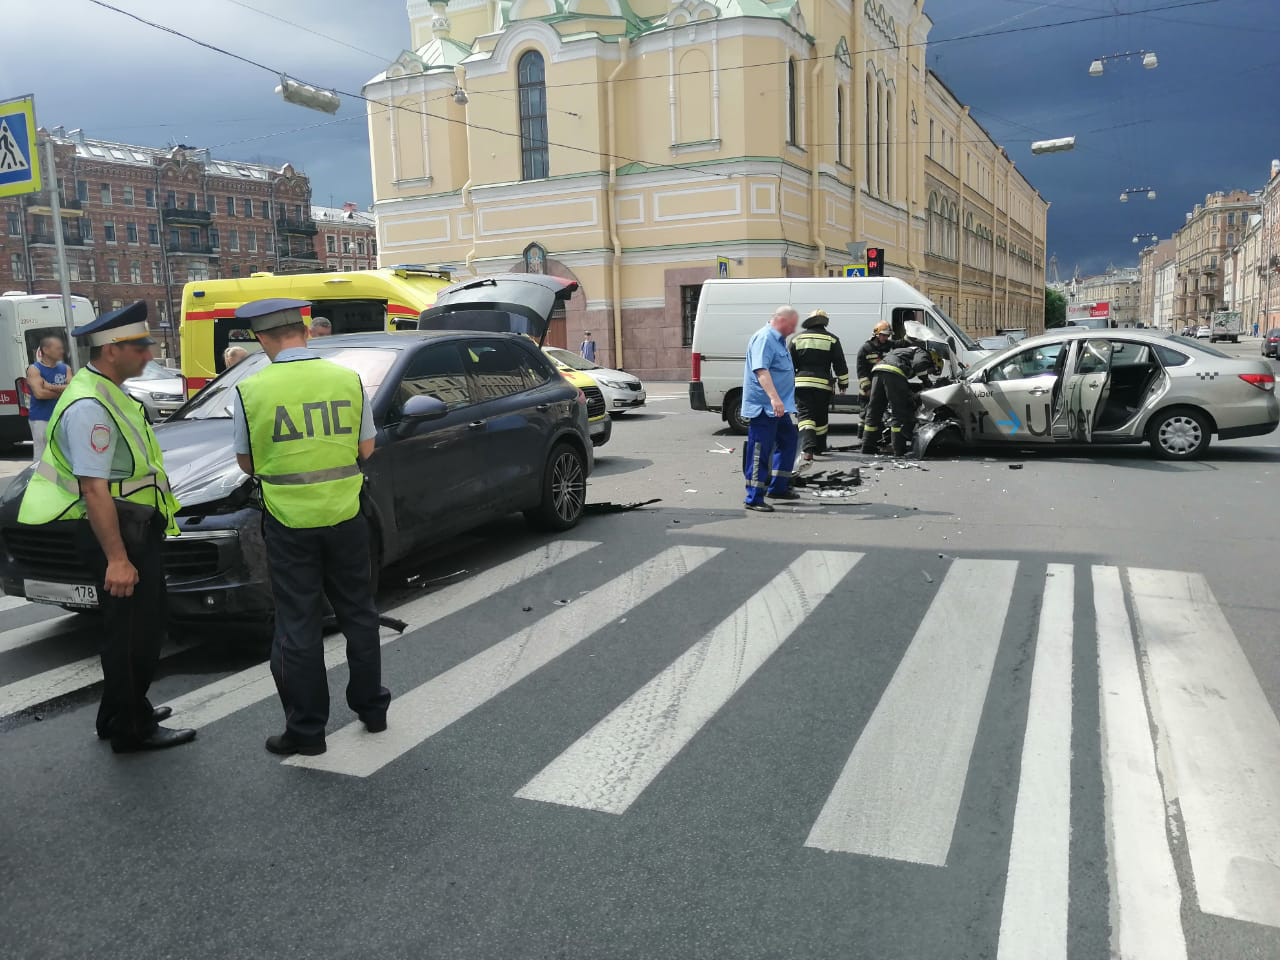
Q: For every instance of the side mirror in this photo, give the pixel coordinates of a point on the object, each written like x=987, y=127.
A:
x=418, y=410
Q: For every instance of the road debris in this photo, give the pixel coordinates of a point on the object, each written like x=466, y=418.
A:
x=608, y=506
x=561, y=603
x=720, y=448
x=1015, y=466
x=927, y=578
x=825, y=479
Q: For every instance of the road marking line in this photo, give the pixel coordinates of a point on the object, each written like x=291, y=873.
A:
x=202, y=706
x=1033, y=922
x=899, y=794
x=426, y=710
x=1146, y=902
x=611, y=765
x=1223, y=740
x=34, y=632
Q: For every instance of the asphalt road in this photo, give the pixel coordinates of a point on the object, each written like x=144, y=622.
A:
x=969, y=712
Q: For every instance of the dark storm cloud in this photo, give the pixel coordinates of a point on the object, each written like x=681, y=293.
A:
x=1206, y=119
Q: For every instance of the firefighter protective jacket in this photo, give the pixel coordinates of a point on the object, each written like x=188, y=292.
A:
x=816, y=353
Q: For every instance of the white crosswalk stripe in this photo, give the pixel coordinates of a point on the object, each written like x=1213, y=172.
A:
x=24, y=636
x=1223, y=742
x=10, y=603
x=612, y=764
x=430, y=708
x=899, y=793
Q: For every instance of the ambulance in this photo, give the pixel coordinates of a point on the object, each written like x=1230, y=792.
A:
x=25, y=320
x=389, y=298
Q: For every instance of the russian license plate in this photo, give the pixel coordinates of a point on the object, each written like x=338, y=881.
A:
x=71, y=594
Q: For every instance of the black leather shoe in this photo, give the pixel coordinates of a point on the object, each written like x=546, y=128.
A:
x=760, y=507
x=375, y=723
x=158, y=714
x=784, y=495
x=286, y=746
x=158, y=739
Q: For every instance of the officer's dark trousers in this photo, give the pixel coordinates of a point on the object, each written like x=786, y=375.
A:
x=813, y=409
x=889, y=389
x=769, y=455
x=133, y=628
x=308, y=565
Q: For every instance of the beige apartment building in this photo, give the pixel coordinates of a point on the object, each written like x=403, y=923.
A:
x=1212, y=228
x=1269, y=259
x=644, y=147
x=1119, y=288
x=1150, y=261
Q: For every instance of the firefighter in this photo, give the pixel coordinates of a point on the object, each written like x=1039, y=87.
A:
x=871, y=353
x=889, y=387
x=819, y=362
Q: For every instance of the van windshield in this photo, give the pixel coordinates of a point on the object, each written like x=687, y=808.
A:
x=963, y=338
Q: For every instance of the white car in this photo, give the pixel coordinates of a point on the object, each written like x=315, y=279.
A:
x=622, y=391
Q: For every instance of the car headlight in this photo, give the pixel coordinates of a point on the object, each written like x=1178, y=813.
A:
x=612, y=384
x=166, y=397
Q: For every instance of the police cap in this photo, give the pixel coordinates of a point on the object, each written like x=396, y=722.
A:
x=125, y=325
x=264, y=315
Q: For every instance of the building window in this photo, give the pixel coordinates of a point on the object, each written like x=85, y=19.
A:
x=235, y=270
x=360, y=246
x=15, y=225
x=890, y=130
x=113, y=271
x=346, y=245
x=247, y=206
x=171, y=200
x=135, y=272
x=233, y=240
x=109, y=231
x=93, y=271
x=174, y=242
x=131, y=232
x=793, y=104
x=231, y=206
x=17, y=267
x=198, y=270
x=869, y=138
x=126, y=193
x=86, y=229
x=330, y=244
x=1231, y=239
x=156, y=273
x=73, y=271
x=532, y=76
x=150, y=198
x=104, y=193
x=214, y=240
x=153, y=234
x=688, y=311
x=253, y=242
x=839, y=125
x=82, y=191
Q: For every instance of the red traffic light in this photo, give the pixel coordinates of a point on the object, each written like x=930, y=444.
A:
x=875, y=262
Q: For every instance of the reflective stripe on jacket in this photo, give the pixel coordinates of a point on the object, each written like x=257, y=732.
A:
x=304, y=435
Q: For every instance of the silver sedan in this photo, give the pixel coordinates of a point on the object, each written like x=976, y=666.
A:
x=159, y=389
x=1113, y=386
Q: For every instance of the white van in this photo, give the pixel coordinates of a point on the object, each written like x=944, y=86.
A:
x=730, y=311
x=26, y=319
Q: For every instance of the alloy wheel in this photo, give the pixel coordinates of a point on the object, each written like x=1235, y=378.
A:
x=568, y=486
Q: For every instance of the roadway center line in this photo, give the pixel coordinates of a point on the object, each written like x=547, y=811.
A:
x=1146, y=901
x=1223, y=740
x=1033, y=922
x=899, y=794
x=202, y=706
x=611, y=765
x=426, y=710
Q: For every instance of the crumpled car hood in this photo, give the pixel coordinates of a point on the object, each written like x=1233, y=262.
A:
x=200, y=460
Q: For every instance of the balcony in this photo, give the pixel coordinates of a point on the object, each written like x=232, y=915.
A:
x=299, y=228
x=181, y=215
x=46, y=239
x=299, y=255
x=187, y=247
x=42, y=202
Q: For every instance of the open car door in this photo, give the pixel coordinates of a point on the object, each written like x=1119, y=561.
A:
x=1084, y=394
x=504, y=303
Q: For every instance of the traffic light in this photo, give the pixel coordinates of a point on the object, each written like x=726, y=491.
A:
x=875, y=262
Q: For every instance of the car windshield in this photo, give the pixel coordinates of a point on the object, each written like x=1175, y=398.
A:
x=571, y=360
x=965, y=340
x=214, y=401
x=155, y=370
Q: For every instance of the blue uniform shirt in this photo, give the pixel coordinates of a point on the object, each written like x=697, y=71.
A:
x=40, y=408
x=767, y=350
x=240, y=426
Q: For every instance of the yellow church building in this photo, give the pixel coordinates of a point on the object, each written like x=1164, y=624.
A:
x=644, y=146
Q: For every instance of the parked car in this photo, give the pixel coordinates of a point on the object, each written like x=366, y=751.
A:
x=1121, y=386
x=622, y=391
x=471, y=426
x=159, y=389
x=1203, y=332
x=1271, y=343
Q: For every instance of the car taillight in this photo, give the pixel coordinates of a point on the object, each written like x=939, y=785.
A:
x=24, y=396
x=697, y=367
x=1263, y=381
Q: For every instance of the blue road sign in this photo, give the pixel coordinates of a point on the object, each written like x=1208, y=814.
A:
x=722, y=268
x=855, y=270
x=19, y=164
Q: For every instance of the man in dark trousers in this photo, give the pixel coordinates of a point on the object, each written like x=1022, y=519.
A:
x=302, y=424
x=819, y=362
x=102, y=473
x=889, y=387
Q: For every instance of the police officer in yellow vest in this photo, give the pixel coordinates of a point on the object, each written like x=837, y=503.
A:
x=302, y=425
x=103, y=472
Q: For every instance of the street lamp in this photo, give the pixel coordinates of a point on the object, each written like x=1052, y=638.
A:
x=1059, y=145
x=1149, y=191
x=1149, y=60
x=305, y=95
x=1146, y=236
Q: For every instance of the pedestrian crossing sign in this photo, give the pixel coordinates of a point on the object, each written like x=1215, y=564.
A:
x=722, y=268
x=855, y=270
x=19, y=164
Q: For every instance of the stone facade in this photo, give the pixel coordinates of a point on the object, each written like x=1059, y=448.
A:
x=1210, y=232
x=345, y=238
x=643, y=143
x=1151, y=261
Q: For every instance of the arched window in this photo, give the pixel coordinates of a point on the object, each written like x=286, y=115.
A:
x=839, y=124
x=879, y=140
x=890, y=128
x=869, y=104
x=793, y=104
x=532, y=77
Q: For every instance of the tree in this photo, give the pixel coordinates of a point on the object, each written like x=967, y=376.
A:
x=1055, y=309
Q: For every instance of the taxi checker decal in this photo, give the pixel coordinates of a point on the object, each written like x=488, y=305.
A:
x=1207, y=374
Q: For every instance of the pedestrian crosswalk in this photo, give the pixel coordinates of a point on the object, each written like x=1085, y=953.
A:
x=1189, y=744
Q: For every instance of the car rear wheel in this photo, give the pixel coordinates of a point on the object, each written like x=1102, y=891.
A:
x=733, y=413
x=564, y=490
x=1179, y=434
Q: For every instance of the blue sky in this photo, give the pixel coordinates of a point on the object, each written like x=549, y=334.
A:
x=1207, y=118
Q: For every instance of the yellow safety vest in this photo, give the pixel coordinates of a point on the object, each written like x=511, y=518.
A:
x=304, y=435
x=54, y=492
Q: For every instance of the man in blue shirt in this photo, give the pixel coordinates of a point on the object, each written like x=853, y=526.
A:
x=47, y=377
x=768, y=401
